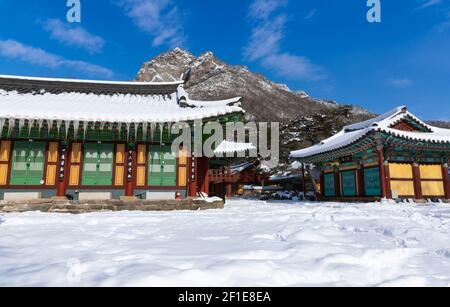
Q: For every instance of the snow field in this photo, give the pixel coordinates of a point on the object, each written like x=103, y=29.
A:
x=250, y=243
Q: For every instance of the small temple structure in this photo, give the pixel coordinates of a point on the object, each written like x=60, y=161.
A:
x=86, y=139
x=394, y=156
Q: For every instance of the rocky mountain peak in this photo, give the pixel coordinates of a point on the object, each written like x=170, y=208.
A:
x=210, y=78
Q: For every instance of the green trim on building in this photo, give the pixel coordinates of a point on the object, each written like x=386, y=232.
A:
x=330, y=190
x=349, y=183
x=98, y=164
x=162, y=167
x=372, y=181
x=28, y=161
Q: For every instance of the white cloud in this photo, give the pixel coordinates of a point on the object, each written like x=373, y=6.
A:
x=262, y=9
x=428, y=3
x=311, y=14
x=159, y=18
x=15, y=50
x=265, y=44
x=266, y=38
x=445, y=25
x=73, y=35
x=401, y=82
x=294, y=67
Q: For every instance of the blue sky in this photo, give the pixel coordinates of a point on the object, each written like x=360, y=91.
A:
x=325, y=47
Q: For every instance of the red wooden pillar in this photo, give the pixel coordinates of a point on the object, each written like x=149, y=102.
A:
x=417, y=181
x=61, y=189
x=193, y=177
x=204, y=175
x=131, y=171
x=303, y=180
x=229, y=184
x=322, y=183
x=229, y=190
x=446, y=180
x=387, y=174
x=337, y=182
x=382, y=171
x=361, y=187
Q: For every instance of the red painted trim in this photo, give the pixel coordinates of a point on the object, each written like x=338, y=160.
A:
x=446, y=180
x=203, y=174
x=229, y=190
x=337, y=183
x=62, y=184
x=387, y=173
x=417, y=181
x=322, y=183
x=130, y=184
x=360, y=178
x=382, y=171
x=193, y=183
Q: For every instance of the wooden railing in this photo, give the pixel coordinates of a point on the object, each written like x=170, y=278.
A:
x=216, y=175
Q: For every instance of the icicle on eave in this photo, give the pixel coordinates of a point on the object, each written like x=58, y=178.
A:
x=161, y=133
x=2, y=124
x=11, y=125
x=30, y=125
x=76, y=126
x=40, y=122
x=21, y=123
x=145, y=130
x=85, y=128
x=169, y=127
x=135, y=128
x=66, y=128
x=128, y=131
x=152, y=132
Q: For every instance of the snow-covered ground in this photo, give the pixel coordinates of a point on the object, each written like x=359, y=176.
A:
x=250, y=243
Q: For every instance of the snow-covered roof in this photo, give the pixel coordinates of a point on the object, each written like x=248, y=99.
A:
x=27, y=98
x=383, y=123
x=241, y=167
x=132, y=83
x=232, y=147
x=283, y=177
x=206, y=104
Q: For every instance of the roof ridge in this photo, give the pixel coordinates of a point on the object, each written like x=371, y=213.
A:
x=106, y=82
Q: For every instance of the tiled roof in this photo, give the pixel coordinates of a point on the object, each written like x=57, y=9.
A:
x=383, y=123
x=96, y=101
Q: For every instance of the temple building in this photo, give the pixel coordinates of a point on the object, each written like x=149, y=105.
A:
x=394, y=156
x=92, y=139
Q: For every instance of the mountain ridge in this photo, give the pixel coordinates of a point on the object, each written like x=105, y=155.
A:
x=210, y=78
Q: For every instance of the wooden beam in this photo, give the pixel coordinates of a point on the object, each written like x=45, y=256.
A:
x=382, y=170
x=361, y=187
x=131, y=170
x=446, y=180
x=63, y=171
x=417, y=181
x=322, y=184
x=337, y=182
x=387, y=175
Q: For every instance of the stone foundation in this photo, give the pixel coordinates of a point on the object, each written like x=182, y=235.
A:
x=78, y=207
